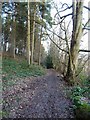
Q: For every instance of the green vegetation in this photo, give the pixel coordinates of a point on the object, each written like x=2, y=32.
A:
x=48, y=62
x=3, y=114
x=13, y=69
x=81, y=97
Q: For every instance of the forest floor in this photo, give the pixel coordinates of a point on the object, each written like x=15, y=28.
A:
x=38, y=97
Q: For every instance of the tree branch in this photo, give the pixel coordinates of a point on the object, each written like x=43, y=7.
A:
x=84, y=50
x=86, y=7
x=86, y=28
x=57, y=45
x=55, y=34
x=63, y=10
x=86, y=25
x=66, y=15
x=82, y=67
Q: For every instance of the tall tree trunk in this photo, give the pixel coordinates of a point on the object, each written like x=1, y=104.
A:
x=0, y=28
x=1, y=96
x=42, y=15
x=28, y=35
x=14, y=35
x=33, y=30
x=75, y=42
x=89, y=43
x=39, y=54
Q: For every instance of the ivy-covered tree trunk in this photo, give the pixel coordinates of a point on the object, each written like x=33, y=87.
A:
x=75, y=42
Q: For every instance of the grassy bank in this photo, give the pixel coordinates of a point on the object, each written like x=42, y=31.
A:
x=13, y=69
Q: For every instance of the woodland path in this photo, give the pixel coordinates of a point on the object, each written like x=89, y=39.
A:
x=39, y=97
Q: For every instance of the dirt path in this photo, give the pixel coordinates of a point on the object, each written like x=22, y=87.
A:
x=41, y=97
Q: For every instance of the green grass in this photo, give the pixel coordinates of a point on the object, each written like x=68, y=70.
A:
x=13, y=69
x=3, y=114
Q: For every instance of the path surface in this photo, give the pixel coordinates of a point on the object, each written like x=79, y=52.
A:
x=41, y=97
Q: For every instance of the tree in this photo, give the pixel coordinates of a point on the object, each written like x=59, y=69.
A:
x=73, y=50
x=14, y=36
x=32, y=35
x=76, y=37
x=0, y=29
x=28, y=37
x=10, y=23
x=45, y=16
x=48, y=62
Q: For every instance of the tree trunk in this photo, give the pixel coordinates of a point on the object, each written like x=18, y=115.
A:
x=28, y=35
x=39, y=54
x=14, y=36
x=88, y=70
x=75, y=42
x=42, y=15
x=1, y=95
x=0, y=28
x=33, y=30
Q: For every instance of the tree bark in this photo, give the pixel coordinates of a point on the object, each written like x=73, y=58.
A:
x=42, y=15
x=14, y=36
x=75, y=42
x=39, y=54
x=28, y=35
x=33, y=30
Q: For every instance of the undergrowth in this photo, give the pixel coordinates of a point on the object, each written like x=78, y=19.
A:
x=12, y=69
x=81, y=97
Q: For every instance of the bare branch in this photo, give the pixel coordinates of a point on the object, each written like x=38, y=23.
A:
x=57, y=45
x=86, y=25
x=85, y=33
x=84, y=50
x=82, y=67
x=66, y=8
x=66, y=15
x=87, y=8
x=55, y=34
x=86, y=28
x=63, y=10
x=59, y=22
